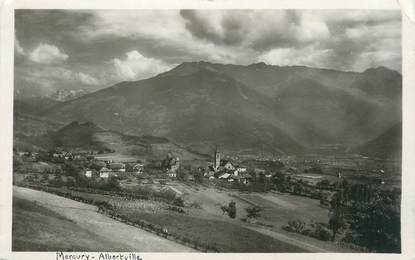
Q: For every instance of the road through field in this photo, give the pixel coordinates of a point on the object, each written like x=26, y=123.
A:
x=87, y=217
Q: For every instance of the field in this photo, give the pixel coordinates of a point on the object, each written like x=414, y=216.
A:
x=46, y=222
x=278, y=209
x=203, y=222
x=224, y=236
x=195, y=225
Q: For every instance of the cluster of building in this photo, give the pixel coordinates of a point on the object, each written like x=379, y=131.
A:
x=112, y=169
x=226, y=170
x=172, y=165
x=64, y=155
x=220, y=169
x=29, y=156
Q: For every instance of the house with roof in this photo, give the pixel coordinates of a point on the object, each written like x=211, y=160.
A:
x=227, y=165
x=171, y=174
x=57, y=154
x=68, y=156
x=224, y=176
x=210, y=175
x=235, y=178
x=78, y=157
x=173, y=165
x=240, y=169
x=138, y=168
x=104, y=172
x=88, y=173
x=117, y=167
x=245, y=178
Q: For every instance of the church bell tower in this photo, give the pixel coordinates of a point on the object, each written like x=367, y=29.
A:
x=216, y=162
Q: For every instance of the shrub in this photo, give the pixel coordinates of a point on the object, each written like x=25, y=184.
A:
x=322, y=233
x=178, y=202
x=307, y=232
x=253, y=212
x=195, y=205
x=296, y=226
x=232, y=209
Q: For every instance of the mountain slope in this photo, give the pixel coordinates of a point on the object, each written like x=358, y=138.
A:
x=88, y=136
x=320, y=105
x=387, y=145
x=255, y=108
x=72, y=136
x=336, y=114
x=270, y=79
x=200, y=110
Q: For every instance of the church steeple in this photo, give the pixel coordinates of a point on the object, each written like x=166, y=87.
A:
x=216, y=162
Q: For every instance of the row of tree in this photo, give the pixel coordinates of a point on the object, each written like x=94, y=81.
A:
x=369, y=215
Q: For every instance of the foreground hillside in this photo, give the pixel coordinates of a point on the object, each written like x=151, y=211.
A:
x=46, y=222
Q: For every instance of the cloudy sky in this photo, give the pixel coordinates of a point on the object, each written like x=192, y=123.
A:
x=94, y=49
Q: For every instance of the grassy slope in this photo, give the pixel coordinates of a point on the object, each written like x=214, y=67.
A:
x=226, y=236
x=36, y=228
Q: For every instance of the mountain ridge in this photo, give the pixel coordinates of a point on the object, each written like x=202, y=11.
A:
x=200, y=104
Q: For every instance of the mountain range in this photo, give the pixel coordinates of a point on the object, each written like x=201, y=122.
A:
x=246, y=109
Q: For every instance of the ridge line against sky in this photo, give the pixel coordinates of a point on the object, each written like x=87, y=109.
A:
x=93, y=49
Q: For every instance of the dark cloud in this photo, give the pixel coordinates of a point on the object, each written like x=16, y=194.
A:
x=201, y=28
x=54, y=25
x=98, y=43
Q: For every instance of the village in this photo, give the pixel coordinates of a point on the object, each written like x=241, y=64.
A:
x=91, y=166
x=317, y=179
x=171, y=167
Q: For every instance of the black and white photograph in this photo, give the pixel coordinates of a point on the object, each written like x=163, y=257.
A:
x=207, y=130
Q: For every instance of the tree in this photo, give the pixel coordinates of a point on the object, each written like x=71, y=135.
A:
x=129, y=167
x=336, y=222
x=377, y=226
x=296, y=225
x=232, y=209
x=198, y=177
x=322, y=232
x=253, y=212
x=56, y=181
x=113, y=184
x=336, y=201
x=298, y=188
x=96, y=165
x=181, y=173
x=72, y=168
x=178, y=202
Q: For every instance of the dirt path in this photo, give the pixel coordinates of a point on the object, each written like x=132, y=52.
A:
x=86, y=216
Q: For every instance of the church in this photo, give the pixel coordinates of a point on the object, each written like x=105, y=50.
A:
x=216, y=160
